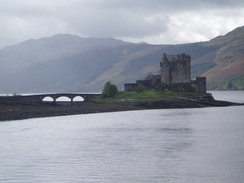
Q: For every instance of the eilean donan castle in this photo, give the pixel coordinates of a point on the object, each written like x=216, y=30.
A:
x=175, y=70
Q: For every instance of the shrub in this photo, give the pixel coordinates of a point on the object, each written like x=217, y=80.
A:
x=109, y=90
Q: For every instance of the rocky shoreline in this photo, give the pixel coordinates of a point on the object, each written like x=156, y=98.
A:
x=18, y=111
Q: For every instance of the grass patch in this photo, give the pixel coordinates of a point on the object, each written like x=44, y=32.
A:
x=143, y=96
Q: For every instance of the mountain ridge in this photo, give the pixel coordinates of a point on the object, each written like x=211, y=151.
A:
x=72, y=66
x=49, y=48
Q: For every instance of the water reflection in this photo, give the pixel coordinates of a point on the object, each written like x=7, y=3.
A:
x=177, y=145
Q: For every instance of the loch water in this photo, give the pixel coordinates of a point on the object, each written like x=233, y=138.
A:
x=150, y=146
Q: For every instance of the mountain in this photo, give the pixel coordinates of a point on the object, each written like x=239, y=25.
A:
x=229, y=58
x=31, y=52
x=70, y=63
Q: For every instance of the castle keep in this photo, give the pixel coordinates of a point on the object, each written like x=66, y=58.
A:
x=175, y=71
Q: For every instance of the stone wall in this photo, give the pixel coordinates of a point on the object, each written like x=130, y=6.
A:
x=149, y=82
x=200, y=84
x=130, y=86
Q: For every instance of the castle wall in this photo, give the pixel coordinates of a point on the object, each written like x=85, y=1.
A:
x=149, y=82
x=145, y=83
x=130, y=86
x=200, y=84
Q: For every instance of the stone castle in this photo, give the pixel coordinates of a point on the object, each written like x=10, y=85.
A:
x=175, y=71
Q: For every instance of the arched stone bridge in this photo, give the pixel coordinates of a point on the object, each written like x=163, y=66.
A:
x=40, y=97
x=71, y=96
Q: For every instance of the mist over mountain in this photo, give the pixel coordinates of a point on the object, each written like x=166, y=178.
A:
x=71, y=63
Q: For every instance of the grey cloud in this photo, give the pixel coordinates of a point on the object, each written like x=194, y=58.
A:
x=134, y=19
x=116, y=23
x=169, y=5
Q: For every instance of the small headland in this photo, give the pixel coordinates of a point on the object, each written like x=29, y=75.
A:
x=123, y=101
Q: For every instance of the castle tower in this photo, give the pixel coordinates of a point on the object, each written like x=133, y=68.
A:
x=165, y=70
x=175, y=69
x=200, y=84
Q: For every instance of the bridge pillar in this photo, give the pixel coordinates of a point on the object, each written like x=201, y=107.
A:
x=72, y=99
x=54, y=99
x=84, y=97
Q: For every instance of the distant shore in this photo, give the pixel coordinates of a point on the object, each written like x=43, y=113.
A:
x=18, y=111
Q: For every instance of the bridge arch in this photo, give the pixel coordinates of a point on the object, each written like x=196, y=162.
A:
x=48, y=99
x=63, y=99
x=78, y=99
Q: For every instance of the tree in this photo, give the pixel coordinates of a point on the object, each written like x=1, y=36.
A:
x=109, y=90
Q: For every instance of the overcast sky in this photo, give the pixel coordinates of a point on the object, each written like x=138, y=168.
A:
x=152, y=21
